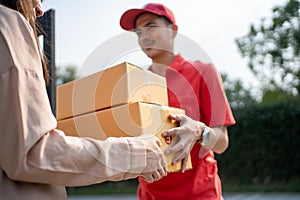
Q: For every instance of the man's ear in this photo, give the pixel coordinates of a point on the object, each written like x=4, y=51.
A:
x=174, y=28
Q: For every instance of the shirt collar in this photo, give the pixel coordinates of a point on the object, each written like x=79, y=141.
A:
x=177, y=62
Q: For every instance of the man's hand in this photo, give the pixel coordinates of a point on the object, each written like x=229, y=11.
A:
x=188, y=133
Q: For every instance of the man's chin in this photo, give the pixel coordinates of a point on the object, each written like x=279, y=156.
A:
x=148, y=51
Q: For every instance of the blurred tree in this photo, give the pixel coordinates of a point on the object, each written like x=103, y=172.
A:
x=275, y=96
x=273, y=49
x=237, y=95
x=65, y=74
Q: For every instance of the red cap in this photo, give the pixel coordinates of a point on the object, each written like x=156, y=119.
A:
x=128, y=18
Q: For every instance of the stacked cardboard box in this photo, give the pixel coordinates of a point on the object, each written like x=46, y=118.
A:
x=121, y=101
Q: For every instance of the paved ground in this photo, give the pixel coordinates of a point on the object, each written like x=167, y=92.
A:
x=235, y=196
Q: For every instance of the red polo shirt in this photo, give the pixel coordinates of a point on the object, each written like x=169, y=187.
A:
x=197, y=88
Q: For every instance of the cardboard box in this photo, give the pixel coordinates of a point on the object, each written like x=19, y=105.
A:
x=126, y=120
x=121, y=84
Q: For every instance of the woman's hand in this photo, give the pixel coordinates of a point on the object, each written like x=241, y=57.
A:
x=188, y=133
x=155, y=163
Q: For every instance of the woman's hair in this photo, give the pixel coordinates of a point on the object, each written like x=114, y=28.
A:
x=25, y=7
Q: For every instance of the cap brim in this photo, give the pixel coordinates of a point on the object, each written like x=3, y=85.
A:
x=128, y=18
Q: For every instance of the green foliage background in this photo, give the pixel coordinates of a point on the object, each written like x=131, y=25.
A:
x=264, y=145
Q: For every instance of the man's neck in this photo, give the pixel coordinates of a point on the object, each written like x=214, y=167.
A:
x=160, y=65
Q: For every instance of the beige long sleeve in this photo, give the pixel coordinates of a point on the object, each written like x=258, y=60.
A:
x=36, y=160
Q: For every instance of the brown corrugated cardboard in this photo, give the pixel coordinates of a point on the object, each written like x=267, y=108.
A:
x=125, y=120
x=121, y=84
